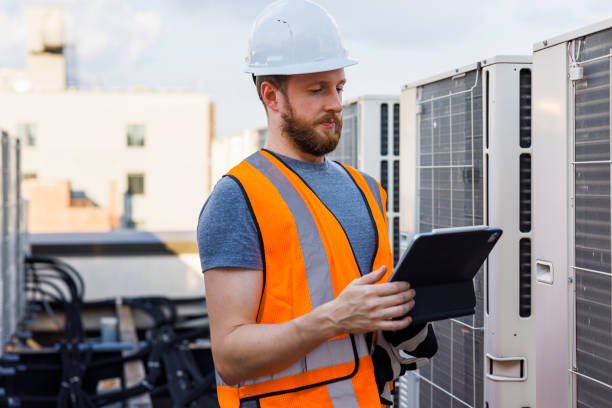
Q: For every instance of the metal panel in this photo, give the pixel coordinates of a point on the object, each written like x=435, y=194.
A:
x=449, y=194
x=24, y=251
x=602, y=25
x=3, y=233
x=12, y=287
x=508, y=335
x=593, y=274
x=8, y=256
x=550, y=214
x=408, y=155
x=19, y=287
x=13, y=237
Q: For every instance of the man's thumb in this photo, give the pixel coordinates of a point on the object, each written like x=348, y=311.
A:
x=374, y=276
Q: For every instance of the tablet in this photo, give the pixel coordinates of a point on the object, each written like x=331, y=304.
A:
x=440, y=266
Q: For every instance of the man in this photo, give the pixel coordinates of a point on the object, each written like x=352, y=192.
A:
x=295, y=247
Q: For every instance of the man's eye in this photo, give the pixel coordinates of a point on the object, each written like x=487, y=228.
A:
x=339, y=89
x=316, y=90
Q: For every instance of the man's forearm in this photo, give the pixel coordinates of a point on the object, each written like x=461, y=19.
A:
x=254, y=350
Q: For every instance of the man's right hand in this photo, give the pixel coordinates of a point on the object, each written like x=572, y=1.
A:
x=364, y=306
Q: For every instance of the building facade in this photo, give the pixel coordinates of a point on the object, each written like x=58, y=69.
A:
x=226, y=152
x=141, y=153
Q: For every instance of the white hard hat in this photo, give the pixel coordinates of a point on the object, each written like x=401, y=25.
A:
x=295, y=37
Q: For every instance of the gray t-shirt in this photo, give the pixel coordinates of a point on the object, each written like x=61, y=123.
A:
x=227, y=235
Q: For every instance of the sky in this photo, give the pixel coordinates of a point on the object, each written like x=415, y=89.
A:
x=201, y=44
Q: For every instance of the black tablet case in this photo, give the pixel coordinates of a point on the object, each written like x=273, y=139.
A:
x=441, y=267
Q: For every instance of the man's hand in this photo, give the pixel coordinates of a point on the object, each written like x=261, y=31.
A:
x=364, y=306
x=243, y=349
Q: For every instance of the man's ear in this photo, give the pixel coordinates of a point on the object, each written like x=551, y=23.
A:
x=270, y=95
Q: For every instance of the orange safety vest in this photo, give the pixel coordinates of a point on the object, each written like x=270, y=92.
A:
x=308, y=261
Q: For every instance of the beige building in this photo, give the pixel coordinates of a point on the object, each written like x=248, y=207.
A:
x=153, y=146
x=226, y=152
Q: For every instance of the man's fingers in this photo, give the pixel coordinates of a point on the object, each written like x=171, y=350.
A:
x=373, y=276
x=395, y=324
x=396, y=299
x=390, y=288
x=396, y=311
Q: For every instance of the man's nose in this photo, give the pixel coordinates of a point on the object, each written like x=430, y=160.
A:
x=334, y=102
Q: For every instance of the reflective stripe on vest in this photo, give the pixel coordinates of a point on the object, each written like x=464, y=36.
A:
x=301, y=272
x=376, y=191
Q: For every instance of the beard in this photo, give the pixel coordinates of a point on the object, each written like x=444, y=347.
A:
x=308, y=139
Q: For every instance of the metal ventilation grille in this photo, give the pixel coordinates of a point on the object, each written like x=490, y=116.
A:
x=525, y=193
x=396, y=129
x=384, y=177
x=487, y=105
x=525, y=107
x=450, y=194
x=525, y=243
x=346, y=151
x=525, y=277
x=396, y=184
x=593, y=291
x=396, y=239
x=384, y=129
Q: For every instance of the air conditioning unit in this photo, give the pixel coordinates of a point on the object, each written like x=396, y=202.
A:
x=370, y=143
x=21, y=240
x=12, y=294
x=571, y=165
x=466, y=160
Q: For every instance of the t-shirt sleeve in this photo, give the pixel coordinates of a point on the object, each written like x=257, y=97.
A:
x=227, y=235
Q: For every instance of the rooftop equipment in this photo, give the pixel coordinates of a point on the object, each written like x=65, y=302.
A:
x=370, y=143
x=466, y=160
x=573, y=288
x=13, y=239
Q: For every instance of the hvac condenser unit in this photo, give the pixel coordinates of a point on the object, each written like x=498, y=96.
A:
x=370, y=143
x=572, y=217
x=12, y=294
x=466, y=160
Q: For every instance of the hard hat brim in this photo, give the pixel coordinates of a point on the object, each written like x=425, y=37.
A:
x=307, y=68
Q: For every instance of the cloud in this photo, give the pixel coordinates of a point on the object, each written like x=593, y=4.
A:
x=145, y=27
x=185, y=43
x=92, y=41
x=110, y=26
x=96, y=27
x=12, y=37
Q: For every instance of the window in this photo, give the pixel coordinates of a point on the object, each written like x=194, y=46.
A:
x=135, y=184
x=135, y=135
x=27, y=133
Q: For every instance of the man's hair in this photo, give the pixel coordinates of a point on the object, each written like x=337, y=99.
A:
x=279, y=81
